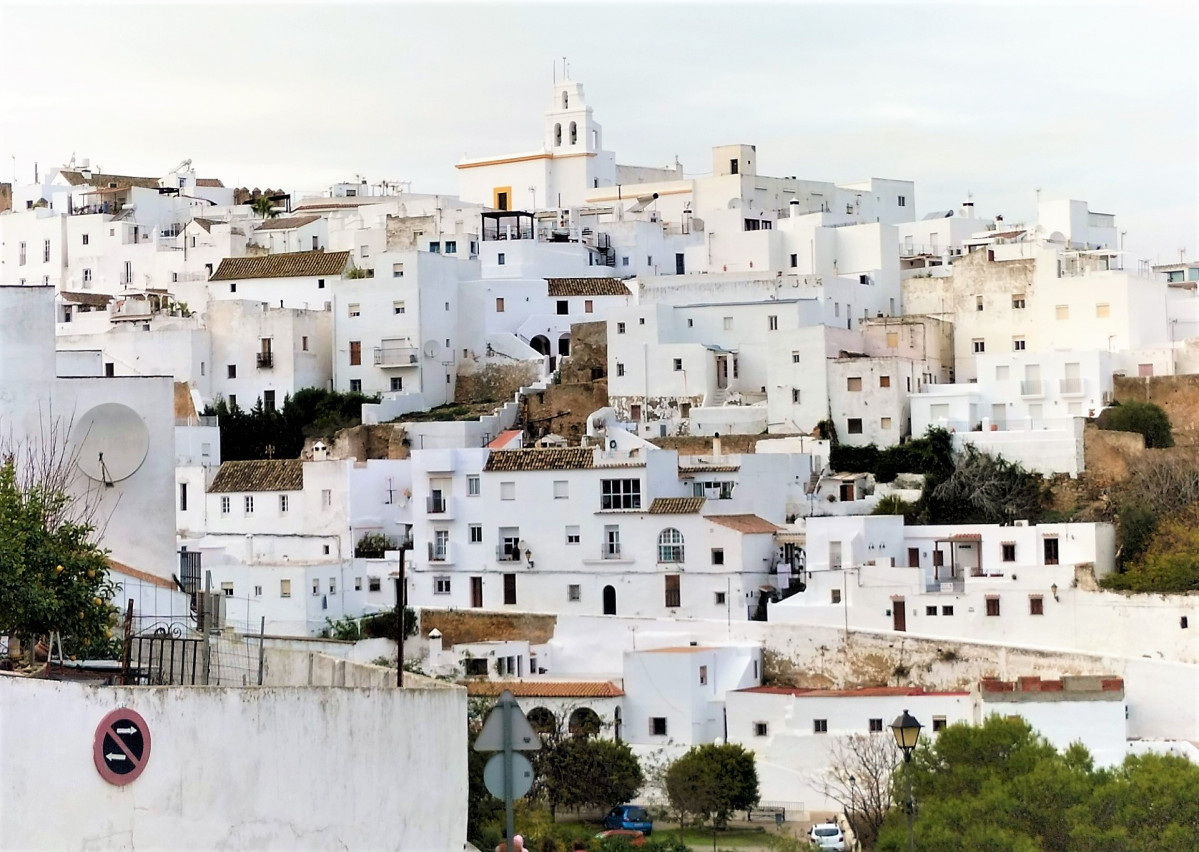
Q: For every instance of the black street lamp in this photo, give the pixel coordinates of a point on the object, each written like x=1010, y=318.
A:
x=907, y=733
x=853, y=804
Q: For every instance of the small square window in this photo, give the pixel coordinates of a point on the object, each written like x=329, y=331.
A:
x=1018, y=302
x=373, y=584
x=476, y=533
x=561, y=489
x=355, y=310
x=1036, y=605
x=572, y=535
x=854, y=426
x=285, y=588
x=876, y=726
x=1009, y=551
x=249, y=503
x=853, y=383
x=678, y=364
x=227, y=589
x=717, y=555
x=1018, y=344
x=835, y=596
x=978, y=303
x=721, y=598
x=472, y=486
x=884, y=381
x=761, y=729
x=588, y=306
x=930, y=610
x=992, y=606
x=947, y=610
x=640, y=320
x=232, y=371
x=441, y=585
x=979, y=345
x=620, y=328
x=884, y=423
x=820, y=726
x=355, y=385
x=1103, y=311
x=396, y=384
x=507, y=490
x=398, y=308
x=794, y=357
x=657, y=726
x=563, y=307
x=320, y=283
x=1061, y=312
x=574, y=592
x=938, y=724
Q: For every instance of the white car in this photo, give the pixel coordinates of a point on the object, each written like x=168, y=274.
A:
x=827, y=835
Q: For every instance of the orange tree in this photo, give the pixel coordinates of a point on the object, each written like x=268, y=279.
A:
x=53, y=576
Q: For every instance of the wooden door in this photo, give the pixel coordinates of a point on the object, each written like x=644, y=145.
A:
x=476, y=592
x=899, y=615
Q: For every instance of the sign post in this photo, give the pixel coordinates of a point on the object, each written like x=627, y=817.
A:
x=121, y=746
x=508, y=775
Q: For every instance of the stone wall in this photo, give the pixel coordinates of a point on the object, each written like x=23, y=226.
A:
x=460, y=627
x=494, y=382
x=382, y=441
x=1177, y=395
x=1110, y=455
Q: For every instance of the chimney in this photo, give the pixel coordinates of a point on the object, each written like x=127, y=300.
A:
x=434, y=646
x=968, y=208
x=716, y=446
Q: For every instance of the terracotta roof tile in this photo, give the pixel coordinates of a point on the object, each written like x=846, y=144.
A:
x=546, y=688
x=206, y=224
x=293, y=264
x=709, y=468
x=261, y=475
x=562, y=287
x=101, y=181
x=676, y=505
x=286, y=223
x=137, y=574
x=561, y=458
x=744, y=523
x=210, y=182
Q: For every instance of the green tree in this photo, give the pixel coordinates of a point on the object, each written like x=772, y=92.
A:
x=53, y=576
x=1145, y=418
x=264, y=207
x=893, y=504
x=587, y=772
x=1170, y=563
x=712, y=781
x=983, y=489
x=280, y=433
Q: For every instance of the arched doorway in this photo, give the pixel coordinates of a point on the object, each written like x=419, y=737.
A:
x=541, y=343
x=542, y=720
x=609, y=600
x=584, y=722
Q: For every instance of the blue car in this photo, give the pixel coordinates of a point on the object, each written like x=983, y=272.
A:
x=629, y=817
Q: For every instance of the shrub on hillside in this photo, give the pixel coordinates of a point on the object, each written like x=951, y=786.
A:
x=1144, y=418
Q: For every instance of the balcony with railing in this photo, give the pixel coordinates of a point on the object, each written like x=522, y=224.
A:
x=1032, y=388
x=507, y=553
x=610, y=550
x=442, y=507
x=396, y=356
x=266, y=360
x=439, y=551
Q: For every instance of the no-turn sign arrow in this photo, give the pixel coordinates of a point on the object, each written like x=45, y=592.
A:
x=121, y=747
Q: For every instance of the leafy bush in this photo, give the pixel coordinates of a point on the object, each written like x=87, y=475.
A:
x=1144, y=418
x=1170, y=563
x=931, y=455
x=383, y=625
x=373, y=545
x=280, y=433
x=893, y=504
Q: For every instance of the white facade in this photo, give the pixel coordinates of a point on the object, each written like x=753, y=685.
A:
x=129, y=418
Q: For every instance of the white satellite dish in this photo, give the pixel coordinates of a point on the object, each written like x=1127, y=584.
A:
x=111, y=442
x=431, y=349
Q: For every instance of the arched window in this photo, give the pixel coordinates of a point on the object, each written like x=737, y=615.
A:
x=584, y=722
x=565, y=101
x=670, y=545
x=574, y=133
x=557, y=135
x=542, y=720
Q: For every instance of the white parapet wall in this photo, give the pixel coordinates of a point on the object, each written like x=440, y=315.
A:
x=1055, y=449
x=273, y=767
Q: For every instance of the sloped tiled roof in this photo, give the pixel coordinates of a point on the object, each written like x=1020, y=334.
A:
x=560, y=458
x=709, y=468
x=744, y=523
x=96, y=300
x=286, y=223
x=292, y=264
x=210, y=182
x=260, y=475
x=859, y=692
x=101, y=181
x=137, y=574
x=206, y=224
x=562, y=287
x=676, y=505
x=546, y=689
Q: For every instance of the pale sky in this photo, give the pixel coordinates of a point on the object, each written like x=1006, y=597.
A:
x=1083, y=100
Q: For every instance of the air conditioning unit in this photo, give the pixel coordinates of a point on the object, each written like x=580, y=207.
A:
x=1020, y=523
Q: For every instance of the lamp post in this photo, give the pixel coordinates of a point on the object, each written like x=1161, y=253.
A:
x=853, y=803
x=907, y=733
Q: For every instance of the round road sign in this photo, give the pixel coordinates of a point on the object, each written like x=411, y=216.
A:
x=522, y=775
x=121, y=747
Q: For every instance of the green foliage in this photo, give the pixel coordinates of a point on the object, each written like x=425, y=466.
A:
x=263, y=207
x=52, y=575
x=1000, y=786
x=587, y=772
x=712, y=781
x=344, y=628
x=1145, y=418
x=983, y=489
x=1170, y=563
x=309, y=413
x=931, y=455
x=893, y=504
x=384, y=626
x=1134, y=530
x=373, y=545
x=355, y=272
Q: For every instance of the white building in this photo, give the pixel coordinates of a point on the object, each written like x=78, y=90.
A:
x=117, y=430
x=295, y=279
